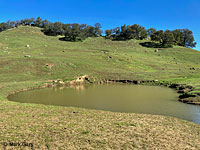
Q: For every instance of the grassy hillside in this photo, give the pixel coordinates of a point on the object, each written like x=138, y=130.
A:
x=95, y=56
x=48, y=58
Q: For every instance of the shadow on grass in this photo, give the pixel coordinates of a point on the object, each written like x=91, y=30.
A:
x=69, y=40
x=119, y=39
x=151, y=45
x=63, y=39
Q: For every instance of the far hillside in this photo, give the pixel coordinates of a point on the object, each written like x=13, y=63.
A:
x=28, y=54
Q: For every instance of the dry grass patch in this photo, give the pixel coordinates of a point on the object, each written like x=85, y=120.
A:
x=49, y=127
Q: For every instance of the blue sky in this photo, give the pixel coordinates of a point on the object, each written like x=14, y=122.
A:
x=160, y=14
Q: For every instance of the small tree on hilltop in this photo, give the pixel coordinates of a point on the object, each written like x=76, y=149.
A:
x=109, y=33
x=98, y=30
x=167, y=39
x=150, y=32
x=157, y=36
x=188, y=38
x=38, y=22
x=73, y=33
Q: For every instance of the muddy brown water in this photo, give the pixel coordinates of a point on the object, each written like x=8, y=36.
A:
x=116, y=98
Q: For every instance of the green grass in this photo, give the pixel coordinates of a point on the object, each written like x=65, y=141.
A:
x=70, y=59
x=50, y=127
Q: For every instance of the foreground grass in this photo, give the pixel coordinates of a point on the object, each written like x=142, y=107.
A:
x=51, y=127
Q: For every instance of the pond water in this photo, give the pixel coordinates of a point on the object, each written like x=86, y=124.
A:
x=116, y=98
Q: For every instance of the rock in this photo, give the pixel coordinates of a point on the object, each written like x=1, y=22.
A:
x=71, y=64
x=184, y=91
x=181, y=87
x=174, y=86
x=49, y=65
x=61, y=82
x=186, y=95
x=55, y=81
x=191, y=100
x=192, y=68
x=136, y=82
x=189, y=87
x=80, y=80
x=28, y=56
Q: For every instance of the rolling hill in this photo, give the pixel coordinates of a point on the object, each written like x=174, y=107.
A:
x=28, y=58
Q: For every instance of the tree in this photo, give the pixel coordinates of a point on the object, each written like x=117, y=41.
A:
x=167, y=39
x=177, y=36
x=89, y=31
x=28, y=21
x=73, y=33
x=123, y=29
x=49, y=29
x=187, y=38
x=79, y=32
x=12, y=24
x=142, y=34
x=98, y=30
x=123, y=34
x=54, y=29
x=108, y=32
x=38, y=22
x=17, y=23
x=157, y=36
x=58, y=28
x=184, y=37
x=3, y=27
x=45, y=23
x=133, y=32
x=117, y=31
x=151, y=31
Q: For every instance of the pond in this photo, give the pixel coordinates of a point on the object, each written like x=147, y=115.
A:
x=116, y=98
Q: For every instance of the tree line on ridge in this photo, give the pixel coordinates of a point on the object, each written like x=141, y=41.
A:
x=79, y=32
